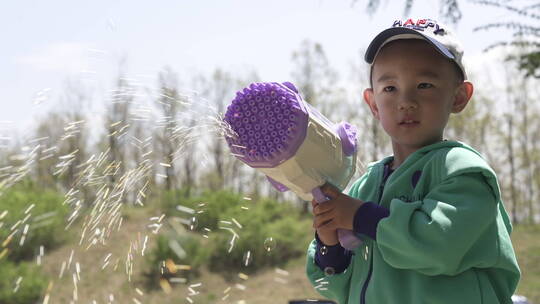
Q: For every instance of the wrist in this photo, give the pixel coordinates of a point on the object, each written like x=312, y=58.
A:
x=367, y=218
x=326, y=241
x=355, y=207
x=331, y=259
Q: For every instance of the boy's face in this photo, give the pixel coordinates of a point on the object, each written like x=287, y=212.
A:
x=414, y=91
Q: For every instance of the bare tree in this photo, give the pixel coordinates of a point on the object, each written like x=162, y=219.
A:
x=521, y=152
x=117, y=128
x=372, y=141
x=314, y=77
x=63, y=140
x=512, y=185
x=526, y=112
x=474, y=125
x=168, y=101
x=48, y=133
x=218, y=90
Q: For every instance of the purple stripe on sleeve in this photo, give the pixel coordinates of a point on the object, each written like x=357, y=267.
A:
x=367, y=218
x=335, y=257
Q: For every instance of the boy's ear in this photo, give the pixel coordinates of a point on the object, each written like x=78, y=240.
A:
x=369, y=99
x=463, y=95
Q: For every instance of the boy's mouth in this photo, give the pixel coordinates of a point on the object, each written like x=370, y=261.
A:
x=409, y=122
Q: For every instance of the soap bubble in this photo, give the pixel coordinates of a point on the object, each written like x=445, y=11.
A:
x=269, y=244
x=248, y=258
x=193, y=222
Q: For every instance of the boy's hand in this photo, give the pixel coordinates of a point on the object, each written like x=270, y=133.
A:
x=336, y=213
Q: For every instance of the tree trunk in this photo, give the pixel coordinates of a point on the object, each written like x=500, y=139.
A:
x=513, y=193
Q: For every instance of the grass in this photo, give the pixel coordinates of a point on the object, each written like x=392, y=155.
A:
x=527, y=246
x=263, y=287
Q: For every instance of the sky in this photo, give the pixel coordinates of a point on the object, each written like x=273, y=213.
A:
x=46, y=43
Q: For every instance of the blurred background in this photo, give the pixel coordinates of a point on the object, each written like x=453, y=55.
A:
x=116, y=185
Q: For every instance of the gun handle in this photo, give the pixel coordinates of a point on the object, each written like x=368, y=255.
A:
x=347, y=239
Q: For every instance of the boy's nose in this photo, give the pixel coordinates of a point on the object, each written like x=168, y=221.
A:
x=407, y=101
x=407, y=106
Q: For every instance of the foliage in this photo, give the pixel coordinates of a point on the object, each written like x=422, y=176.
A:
x=273, y=245
x=526, y=33
x=45, y=220
x=449, y=9
x=211, y=206
x=527, y=247
x=218, y=215
x=32, y=283
x=271, y=232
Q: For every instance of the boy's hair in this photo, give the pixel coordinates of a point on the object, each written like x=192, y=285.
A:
x=425, y=29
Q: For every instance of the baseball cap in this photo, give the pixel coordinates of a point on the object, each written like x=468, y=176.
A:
x=438, y=35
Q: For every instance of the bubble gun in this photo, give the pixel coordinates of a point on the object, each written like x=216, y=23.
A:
x=276, y=132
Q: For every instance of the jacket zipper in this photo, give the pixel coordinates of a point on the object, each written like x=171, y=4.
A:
x=386, y=173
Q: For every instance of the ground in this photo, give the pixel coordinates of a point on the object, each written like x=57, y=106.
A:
x=269, y=286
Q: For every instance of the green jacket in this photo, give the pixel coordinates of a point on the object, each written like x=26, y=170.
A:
x=446, y=240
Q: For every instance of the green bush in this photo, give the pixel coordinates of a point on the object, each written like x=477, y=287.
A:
x=31, y=288
x=211, y=205
x=264, y=220
x=46, y=220
x=184, y=249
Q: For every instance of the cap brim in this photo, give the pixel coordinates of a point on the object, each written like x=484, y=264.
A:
x=379, y=41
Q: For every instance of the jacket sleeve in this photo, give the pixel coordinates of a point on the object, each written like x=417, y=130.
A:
x=440, y=234
x=335, y=287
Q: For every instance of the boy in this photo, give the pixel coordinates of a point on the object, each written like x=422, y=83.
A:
x=431, y=219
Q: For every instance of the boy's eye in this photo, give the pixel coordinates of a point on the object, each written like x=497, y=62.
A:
x=389, y=89
x=425, y=85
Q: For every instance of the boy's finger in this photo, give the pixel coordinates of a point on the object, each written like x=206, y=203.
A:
x=318, y=220
x=328, y=225
x=323, y=208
